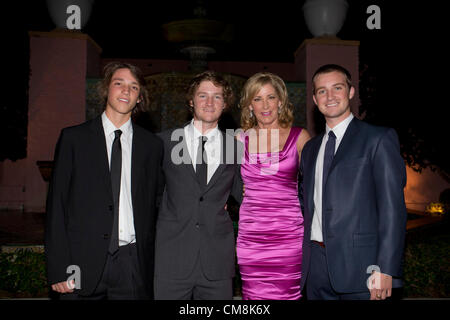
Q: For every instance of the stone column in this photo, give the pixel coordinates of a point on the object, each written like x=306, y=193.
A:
x=60, y=61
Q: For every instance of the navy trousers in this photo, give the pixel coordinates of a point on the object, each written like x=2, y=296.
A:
x=318, y=285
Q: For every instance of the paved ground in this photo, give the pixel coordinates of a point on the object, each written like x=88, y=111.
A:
x=420, y=219
x=412, y=224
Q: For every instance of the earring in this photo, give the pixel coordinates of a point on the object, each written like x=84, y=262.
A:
x=251, y=113
x=279, y=110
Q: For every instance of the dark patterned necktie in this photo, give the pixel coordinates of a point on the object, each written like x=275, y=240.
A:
x=328, y=157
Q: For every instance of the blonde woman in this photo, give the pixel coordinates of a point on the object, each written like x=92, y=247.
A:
x=269, y=243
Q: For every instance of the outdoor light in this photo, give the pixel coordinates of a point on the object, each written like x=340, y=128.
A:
x=435, y=209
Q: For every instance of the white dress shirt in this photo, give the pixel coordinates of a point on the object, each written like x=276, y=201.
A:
x=127, y=233
x=339, y=131
x=212, y=146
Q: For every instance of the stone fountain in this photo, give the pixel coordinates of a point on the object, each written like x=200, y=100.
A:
x=197, y=37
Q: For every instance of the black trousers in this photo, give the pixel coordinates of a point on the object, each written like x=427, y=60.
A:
x=318, y=285
x=121, y=278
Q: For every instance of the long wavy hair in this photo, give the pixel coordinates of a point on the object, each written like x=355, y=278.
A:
x=109, y=70
x=251, y=89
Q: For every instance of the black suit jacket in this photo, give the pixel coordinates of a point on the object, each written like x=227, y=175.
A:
x=80, y=203
x=192, y=220
x=363, y=207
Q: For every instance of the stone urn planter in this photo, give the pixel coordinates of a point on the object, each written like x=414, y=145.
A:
x=325, y=18
x=58, y=11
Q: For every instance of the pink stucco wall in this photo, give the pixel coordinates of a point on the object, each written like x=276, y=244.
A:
x=312, y=54
x=12, y=184
x=56, y=100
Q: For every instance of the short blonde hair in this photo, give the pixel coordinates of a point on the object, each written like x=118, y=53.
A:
x=252, y=87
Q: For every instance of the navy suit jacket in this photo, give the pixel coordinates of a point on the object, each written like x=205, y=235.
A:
x=363, y=207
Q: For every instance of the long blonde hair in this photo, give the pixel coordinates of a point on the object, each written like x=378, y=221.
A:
x=252, y=87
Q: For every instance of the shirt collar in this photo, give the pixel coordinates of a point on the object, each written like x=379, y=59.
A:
x=340, y=129
x=109, y=127
x=194, y=133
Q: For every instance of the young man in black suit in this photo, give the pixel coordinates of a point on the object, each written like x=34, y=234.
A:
x=101, y=202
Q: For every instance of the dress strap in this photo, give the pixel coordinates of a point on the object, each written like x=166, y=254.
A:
x=293, y=136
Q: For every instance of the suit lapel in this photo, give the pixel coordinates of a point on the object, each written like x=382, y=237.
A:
x=99, y=147
x=346, y=143
x=312, y=160
x=186, y=161
x=190, y=165
x=221, y=166
x=137, y=149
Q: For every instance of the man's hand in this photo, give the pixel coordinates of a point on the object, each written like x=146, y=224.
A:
x=380, y=286
x=64, y=287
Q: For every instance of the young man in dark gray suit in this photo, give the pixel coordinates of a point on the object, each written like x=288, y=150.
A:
x=195, y=247
x=101, y=206
x=355, y=215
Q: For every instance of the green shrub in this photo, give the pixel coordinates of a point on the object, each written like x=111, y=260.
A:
x=22, y=273
x=427, y=263
x=426, y=268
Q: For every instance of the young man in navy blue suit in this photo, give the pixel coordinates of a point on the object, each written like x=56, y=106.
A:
x=355, y=214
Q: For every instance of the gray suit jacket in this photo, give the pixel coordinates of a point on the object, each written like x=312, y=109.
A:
x=192, y=219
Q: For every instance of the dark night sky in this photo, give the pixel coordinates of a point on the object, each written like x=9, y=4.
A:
x=263, y=31
x=406, y=56
x=268, y=31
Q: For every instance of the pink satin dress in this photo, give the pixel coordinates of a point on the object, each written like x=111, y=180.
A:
x=269, y=243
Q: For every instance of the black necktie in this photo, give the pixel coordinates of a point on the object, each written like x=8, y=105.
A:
x=116, y=170
x=201, y=166
x=328, y=157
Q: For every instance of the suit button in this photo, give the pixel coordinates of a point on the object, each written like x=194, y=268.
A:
x=110, y=207
x=201, y=199
x=106, y=236
x=197, y=225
